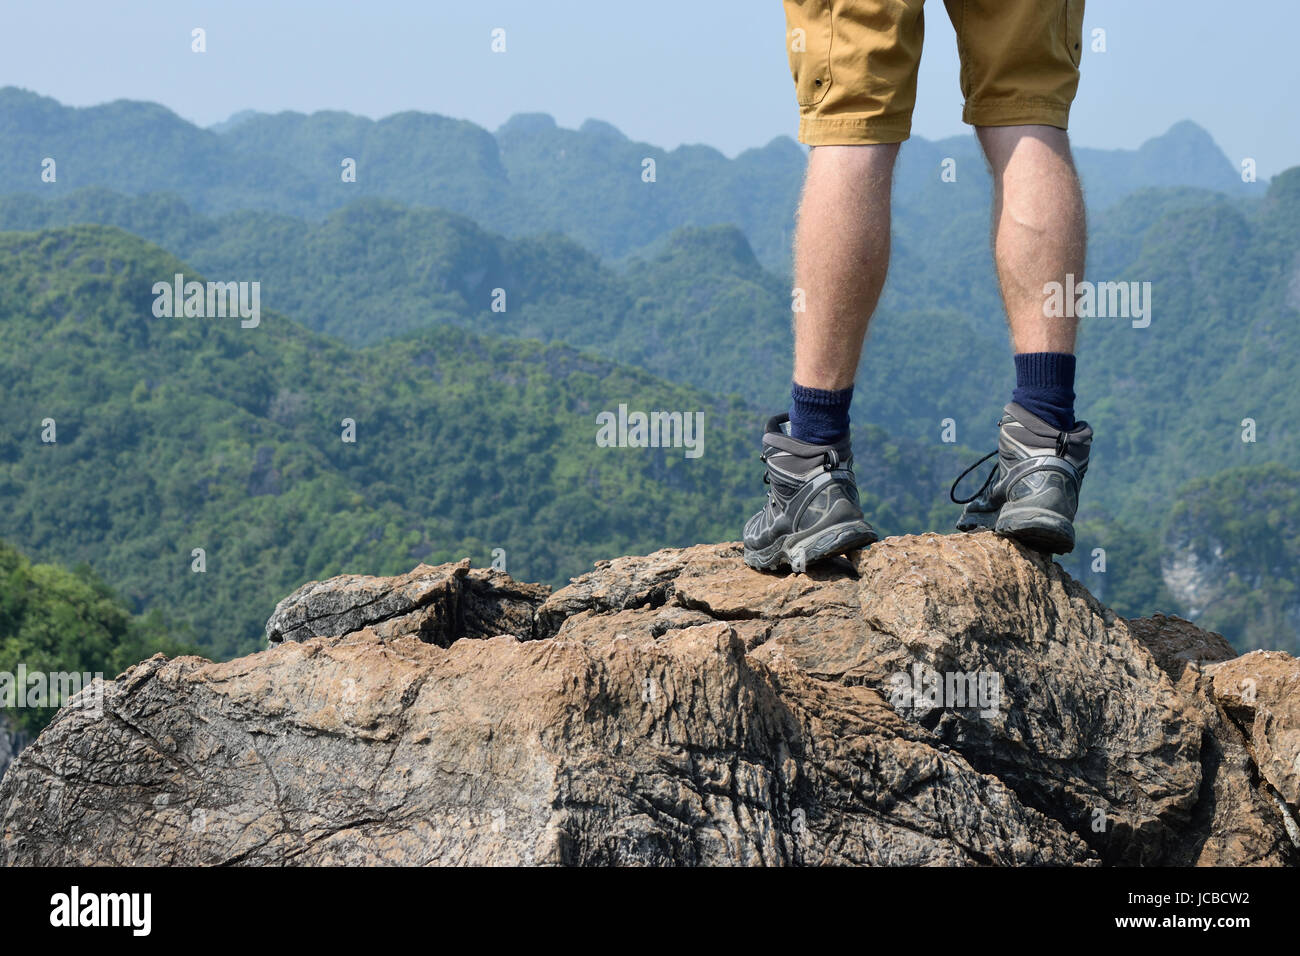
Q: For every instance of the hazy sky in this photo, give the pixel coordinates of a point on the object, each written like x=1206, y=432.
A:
x=664, y=71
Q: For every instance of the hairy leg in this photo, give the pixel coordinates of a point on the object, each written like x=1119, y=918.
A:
x=841, y=258
x=1039, y=228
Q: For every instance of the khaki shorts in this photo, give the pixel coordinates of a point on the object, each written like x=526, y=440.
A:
x=855, y=61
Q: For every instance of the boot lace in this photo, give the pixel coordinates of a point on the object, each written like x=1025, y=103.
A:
x=952, y=492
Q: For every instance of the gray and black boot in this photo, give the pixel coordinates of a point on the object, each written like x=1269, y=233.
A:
x=1032, y=493
x=812, y=509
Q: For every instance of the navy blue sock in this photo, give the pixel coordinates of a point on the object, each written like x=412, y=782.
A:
x=1045, y=386
x=819, y=416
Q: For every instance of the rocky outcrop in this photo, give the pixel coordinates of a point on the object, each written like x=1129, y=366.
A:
x=931, y=700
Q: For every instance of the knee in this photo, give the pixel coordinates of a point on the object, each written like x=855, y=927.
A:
x=1002, y=144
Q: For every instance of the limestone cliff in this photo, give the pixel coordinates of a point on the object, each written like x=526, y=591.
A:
x=931, y=700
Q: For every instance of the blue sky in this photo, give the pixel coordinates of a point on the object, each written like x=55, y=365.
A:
x=667, y=71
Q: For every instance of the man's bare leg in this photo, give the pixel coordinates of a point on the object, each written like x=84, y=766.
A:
x=841, y=257
x=1038, y=238
x=1039, y=232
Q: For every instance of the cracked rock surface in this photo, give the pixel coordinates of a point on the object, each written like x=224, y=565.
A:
x=949, y=700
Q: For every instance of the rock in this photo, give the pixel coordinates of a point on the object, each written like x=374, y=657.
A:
x=931, y=700
x=1235, y=822
x=6, y=748
x=1261, y=691
x=1175, y=643
x=437, y=605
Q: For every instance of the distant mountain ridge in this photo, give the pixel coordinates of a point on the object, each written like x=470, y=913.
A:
x=530, y=176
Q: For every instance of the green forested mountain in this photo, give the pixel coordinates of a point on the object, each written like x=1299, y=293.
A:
x=1232, y=550
x=180, y=433
x=682, y=278
x=53, y=619
x=528, y=177
x=703, y=312
x=700, y=310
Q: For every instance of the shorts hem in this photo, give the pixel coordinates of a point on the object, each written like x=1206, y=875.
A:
x=1017, y=114
x=817, y=131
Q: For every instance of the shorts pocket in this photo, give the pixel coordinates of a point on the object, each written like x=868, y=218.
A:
x=808, y=42
x=1074, y=29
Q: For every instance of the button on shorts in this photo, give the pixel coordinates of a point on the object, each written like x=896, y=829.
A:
x=855, y=62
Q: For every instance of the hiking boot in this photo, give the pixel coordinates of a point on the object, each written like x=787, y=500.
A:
x=1033, y=491
x=812, y=509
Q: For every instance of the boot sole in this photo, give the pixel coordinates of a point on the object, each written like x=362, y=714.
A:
x=1037, y=528
x=979, y=521
x=801, y=550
